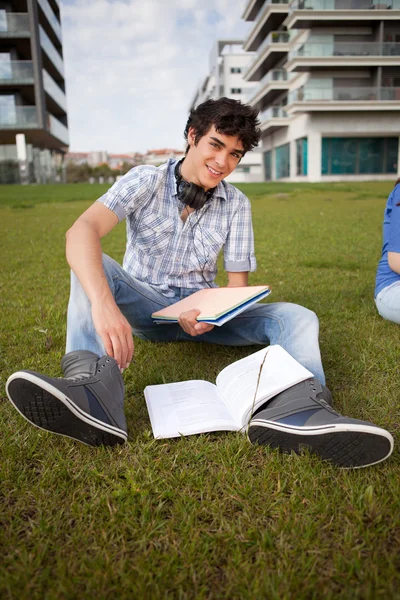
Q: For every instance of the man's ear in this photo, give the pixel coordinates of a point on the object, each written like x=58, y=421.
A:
x=192, y=136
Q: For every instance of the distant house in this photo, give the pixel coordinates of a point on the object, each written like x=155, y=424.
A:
x=157, y=157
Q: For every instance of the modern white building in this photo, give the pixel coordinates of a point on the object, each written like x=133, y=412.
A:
x=227, y=63
x=327, y=76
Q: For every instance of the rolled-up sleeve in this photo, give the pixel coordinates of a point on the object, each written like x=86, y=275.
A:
x=131, y=191
x=239, y=245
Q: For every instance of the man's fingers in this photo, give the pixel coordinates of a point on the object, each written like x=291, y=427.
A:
x=108, y=345
x=117, y=350
x=129, y=351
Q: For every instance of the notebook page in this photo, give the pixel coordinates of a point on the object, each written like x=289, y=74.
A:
x=187, y=407
x=238, y=381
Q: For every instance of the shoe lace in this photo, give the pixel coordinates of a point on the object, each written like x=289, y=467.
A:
x=323, y=403
x=83, y=376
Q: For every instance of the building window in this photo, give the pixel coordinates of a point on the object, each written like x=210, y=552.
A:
x=236, y=90
x=267, y=165
x=236, y=70
x=282, y=161
x=359, y=156
x=301, y=156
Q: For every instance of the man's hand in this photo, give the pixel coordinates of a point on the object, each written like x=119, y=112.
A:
x=187, y=321
x=115, y=332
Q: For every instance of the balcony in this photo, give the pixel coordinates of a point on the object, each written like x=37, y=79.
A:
x=308, y=99
x=54, y=91
x=16, y=72
x=270, y=16
x=273, y=118
x=270, y=86
x=275, y=47
x=14, y=25
x=51, y=52
x=306, y=14
x=51, y=18
x=251, y=9
x=316, y=55
x=58, y=130
x=18, y=117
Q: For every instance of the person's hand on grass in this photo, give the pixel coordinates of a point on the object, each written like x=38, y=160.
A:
x=187, y=321
x=115, y=332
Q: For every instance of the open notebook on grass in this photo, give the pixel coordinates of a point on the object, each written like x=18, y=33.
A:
x=190, y=407
x=216, y=305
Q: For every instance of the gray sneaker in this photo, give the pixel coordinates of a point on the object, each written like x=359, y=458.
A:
x=86, y=405
x=301, y=418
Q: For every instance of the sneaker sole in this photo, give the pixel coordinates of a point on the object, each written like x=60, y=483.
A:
x=353, y=446
x=46, y=407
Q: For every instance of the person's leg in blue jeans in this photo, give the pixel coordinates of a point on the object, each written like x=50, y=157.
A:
x=88, y=403
x=136, y=300
x=388, y=302
x=291, y=326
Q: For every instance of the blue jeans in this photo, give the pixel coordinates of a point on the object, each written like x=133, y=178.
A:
x=293, y=327
x=388, y=302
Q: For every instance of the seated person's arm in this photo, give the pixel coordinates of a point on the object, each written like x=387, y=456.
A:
x=238, y=279
x=84, y=255
x=394, y=261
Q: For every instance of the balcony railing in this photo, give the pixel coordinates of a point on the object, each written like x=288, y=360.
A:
x=273, y=76
x=51, y=51
x=51, y=17
x=338, y=49
x=264, y=6
x=345, y=94
x=58, y=130
x=14, y=24
x=18, y=117
x=274, y=37
x=343, y=5
x=273, y=112
x=51, y=87
x=17, y=72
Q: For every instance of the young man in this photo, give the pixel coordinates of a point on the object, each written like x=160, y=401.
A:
x=179, y=216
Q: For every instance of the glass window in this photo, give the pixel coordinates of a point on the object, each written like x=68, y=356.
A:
x=236, y=70
x=236, y=90
x=282, y=159
x=301, y=156
x=267, y=165
x=354, y=156
x=392, y=155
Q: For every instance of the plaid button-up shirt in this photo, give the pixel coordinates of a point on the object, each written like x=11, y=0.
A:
x=166, y=252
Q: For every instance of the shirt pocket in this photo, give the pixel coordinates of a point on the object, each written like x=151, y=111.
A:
x=207, y=246
x=155, y=233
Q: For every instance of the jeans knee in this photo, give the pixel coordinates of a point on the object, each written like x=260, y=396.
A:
x=305, y=318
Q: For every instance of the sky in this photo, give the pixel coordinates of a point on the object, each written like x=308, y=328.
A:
x=132, y=67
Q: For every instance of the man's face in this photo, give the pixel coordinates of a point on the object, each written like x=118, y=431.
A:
x=214, y=158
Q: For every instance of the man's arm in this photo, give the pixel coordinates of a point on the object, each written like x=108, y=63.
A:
x=84, y=255
x=238, y=279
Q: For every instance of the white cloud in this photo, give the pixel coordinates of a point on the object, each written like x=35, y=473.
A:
x=132, y=67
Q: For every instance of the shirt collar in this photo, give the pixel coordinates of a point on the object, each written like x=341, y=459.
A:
x=220, y=191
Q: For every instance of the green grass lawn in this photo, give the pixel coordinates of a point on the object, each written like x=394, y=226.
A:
x=206, y=516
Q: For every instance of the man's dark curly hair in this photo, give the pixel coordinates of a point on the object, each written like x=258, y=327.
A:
x=229, y=117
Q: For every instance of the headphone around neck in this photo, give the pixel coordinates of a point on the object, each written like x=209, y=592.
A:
x=191, y=194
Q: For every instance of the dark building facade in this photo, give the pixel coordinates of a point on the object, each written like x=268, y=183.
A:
x=33, y=108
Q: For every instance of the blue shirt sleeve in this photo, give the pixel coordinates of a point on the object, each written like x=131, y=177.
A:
x=393, y=232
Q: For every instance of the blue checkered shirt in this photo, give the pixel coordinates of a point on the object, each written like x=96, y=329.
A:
x=166, y=252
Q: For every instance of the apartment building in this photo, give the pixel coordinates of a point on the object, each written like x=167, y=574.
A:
x=227, y=62
x=33, y=109
x=327, y=76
